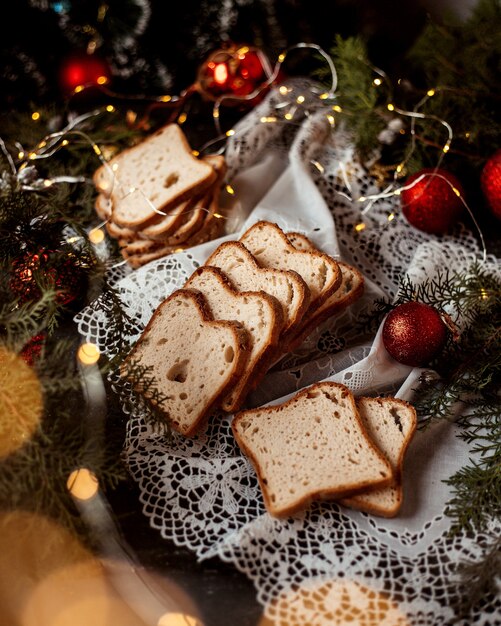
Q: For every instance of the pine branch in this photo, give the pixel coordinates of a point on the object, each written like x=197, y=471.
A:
x=479, y=579
x=138, y=380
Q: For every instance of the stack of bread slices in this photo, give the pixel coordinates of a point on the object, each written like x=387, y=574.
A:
x=158, y=197
x=211, y=342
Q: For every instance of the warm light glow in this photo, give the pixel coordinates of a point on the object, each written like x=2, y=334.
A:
x=82, y=484
x=331, y=119
x=230, y=189
x=97, y=149
x=300, y=99
x=88, y=353
x=64, y=142
x=102, y=80
x=110, y=108
x=283, y=90
x=484, y=294
x=20, y=155
x=182, y=118
x=268, y=120
x=391, y=107
x=221, y=73
x=430, y=92
x=32, y=155
x=360, y=227
x=323, y=96
x=218, y=216
x=195, y=153
x=243, y=51
x=281, y=57
x=166, y=98
x=114, y=167
x=35, y=116
x=178, y=619
x=337, y=108
x=288, y=116
x=96, y=235
x=229, y=133
x=446, y=148
x=47, y=183
x=391, y=217
x=377, y=82
x=79, y=88
x=400, y=167
x=456, y=191
x=319, y=166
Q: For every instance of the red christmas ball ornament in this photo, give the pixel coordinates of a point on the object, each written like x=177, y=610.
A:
x=83, y=71
x=490, y=181
x=47, y=268
x=413, y=333
x=433, y=203
x=233, y=71
x=33, y=349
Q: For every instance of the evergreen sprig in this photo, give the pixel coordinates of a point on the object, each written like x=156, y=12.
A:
x=462, y=72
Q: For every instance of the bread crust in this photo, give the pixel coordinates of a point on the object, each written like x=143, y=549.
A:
x=315, y=494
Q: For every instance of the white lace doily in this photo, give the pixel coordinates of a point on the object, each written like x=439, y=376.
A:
x=329, y=565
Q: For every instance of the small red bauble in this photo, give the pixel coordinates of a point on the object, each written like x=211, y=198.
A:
x=490, y=181
x=413, y=333
x=82, y=71
x=62, y=274
x=33, y=349
x=233, y=71
x=431, y=204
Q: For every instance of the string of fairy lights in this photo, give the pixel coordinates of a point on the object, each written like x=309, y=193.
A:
x=286, y=112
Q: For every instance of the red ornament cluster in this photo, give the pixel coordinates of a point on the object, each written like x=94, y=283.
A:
x=490, y=181
x=233, y=71
x=414, y=333
x=66, y=276
x=431, y=204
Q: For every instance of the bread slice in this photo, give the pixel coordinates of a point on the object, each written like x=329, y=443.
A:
x=152, y=176
x=348, y=292
x=311, y=447
x=183, y=220
x=272, y=249
x=287, y=287
x=259, y=313
x=390, y=423
x=194, y=359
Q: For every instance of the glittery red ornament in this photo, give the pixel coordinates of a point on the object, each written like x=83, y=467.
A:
x=432, y=204
x=490, y=181
x=51, y=269
x=233, y=71
x=32, y=350
x=413, y=333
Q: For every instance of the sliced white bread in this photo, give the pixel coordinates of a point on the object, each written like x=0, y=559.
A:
x=233, y=258
x=103, y=207
x=311, y=447
x=152, y=176
x=183, y=220
x=272, y=249
x=258, y=312
x=194, y=359
x=390, y=423
x=348, y=292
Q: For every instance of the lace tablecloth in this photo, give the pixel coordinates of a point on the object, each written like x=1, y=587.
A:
x=329, y=565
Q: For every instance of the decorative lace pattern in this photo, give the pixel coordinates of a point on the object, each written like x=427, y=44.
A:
x=328, y=565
